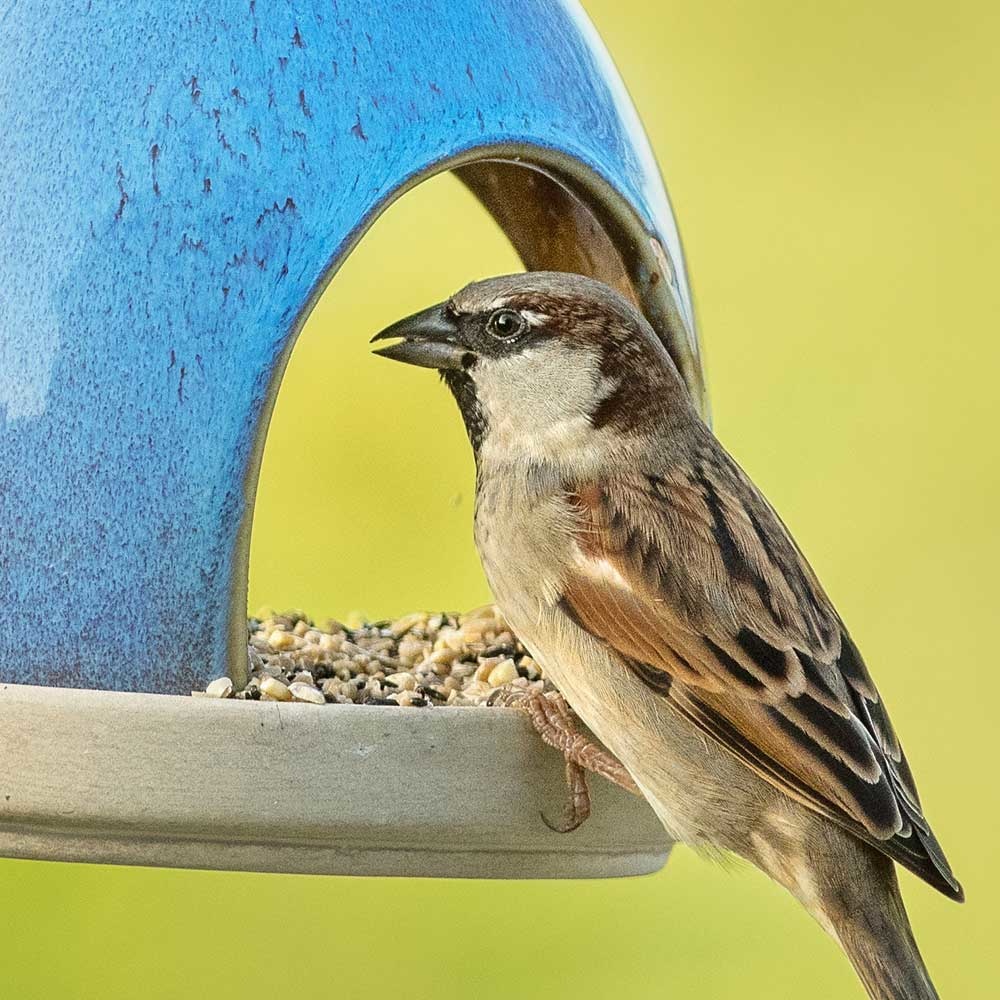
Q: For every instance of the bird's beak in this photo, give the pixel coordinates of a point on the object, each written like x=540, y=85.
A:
x=428, y=338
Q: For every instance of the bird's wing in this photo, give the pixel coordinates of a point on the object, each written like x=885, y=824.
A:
x=693, y=579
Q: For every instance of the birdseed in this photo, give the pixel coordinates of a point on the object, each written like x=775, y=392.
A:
x=221, y=687
x=419, y=660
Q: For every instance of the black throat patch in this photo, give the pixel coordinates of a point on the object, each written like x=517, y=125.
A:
x=463, y=388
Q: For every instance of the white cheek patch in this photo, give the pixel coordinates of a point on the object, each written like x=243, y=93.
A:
x=537, y=403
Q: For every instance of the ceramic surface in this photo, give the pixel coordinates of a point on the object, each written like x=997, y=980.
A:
x=142, y=779
x=177, y=182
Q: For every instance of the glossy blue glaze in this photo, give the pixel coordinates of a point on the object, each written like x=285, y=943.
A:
x=176, y=180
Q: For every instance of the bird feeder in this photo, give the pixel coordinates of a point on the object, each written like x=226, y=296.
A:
x=179, y=182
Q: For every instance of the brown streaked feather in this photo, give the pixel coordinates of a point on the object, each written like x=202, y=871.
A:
x=693, y=579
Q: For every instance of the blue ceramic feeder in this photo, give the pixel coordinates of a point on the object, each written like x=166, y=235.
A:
x=178, y=183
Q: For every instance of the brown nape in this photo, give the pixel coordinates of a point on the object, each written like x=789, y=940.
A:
x=646, y=386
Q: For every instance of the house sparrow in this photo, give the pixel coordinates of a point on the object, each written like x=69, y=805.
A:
x=664, y=597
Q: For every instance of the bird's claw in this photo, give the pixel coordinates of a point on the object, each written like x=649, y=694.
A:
x=578, y=807
x=553, y=720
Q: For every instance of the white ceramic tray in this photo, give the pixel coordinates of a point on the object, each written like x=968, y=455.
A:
x=141, y=779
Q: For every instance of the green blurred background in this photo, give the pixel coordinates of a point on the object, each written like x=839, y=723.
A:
x=833, y=168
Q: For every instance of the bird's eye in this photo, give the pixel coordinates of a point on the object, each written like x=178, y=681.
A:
x=506, y=324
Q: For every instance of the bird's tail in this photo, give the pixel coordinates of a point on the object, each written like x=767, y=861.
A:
x=879, y=943
x=857, y=901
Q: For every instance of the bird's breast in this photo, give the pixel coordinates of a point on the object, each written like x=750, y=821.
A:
x=526, y=540
x=523, y=531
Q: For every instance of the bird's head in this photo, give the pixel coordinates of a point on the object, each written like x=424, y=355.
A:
x=542, y=362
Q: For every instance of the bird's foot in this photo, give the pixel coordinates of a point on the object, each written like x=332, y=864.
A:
x=554, y=721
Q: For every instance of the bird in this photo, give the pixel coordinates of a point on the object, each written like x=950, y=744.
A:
x=666, y=600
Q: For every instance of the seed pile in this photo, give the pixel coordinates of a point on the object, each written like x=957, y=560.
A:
x=419, y=660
